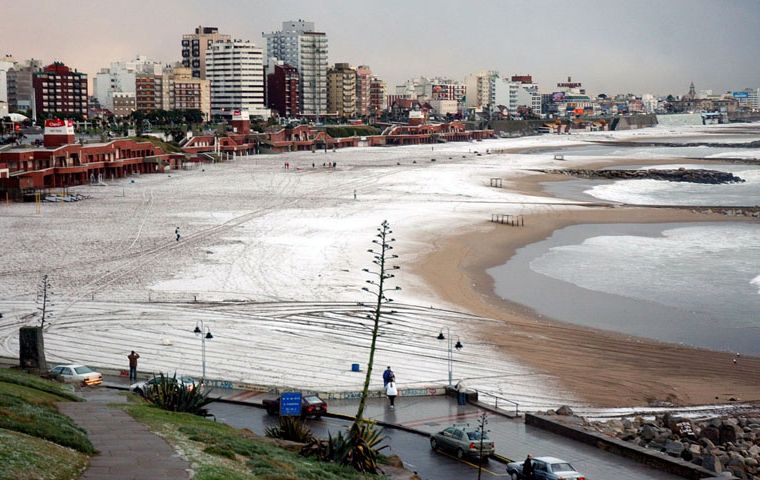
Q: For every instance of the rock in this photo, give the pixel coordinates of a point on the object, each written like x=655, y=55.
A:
x=395, y=461
x=564, y=410
x=708, y=444
x=727, y=433
x=754, y=450
x=695, y=449
x=712, y=463
x=674, y=448
x=750, y=462
x=648, y=432
x=711, y=433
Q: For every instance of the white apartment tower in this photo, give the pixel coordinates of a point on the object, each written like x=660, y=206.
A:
x=480, y=89
x=195, y=48
x=236, y=71
x=299, y=45
x=120, y=78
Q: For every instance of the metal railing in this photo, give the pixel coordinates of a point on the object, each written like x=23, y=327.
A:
x=497, y=399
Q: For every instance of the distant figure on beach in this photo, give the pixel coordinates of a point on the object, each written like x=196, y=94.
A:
x=354, y=194
x=133, y=365
x=391, y=391
x=176, y=232
x=387, y=375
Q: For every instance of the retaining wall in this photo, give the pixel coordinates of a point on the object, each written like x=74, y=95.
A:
x=656, y=460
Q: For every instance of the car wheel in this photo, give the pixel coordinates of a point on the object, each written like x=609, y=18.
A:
x=460, y=453
x=514, y=476
x=433, y=444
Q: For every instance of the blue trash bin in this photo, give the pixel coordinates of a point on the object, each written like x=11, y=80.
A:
x=355, y=367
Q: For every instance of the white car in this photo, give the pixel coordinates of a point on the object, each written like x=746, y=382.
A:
x=79, y=374
x=546, y=468
x=141, y=388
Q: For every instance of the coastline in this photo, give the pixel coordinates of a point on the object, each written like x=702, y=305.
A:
x=604, y=368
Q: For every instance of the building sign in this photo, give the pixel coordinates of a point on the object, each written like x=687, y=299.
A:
x=740, y=94
x=56, y=126
x=290, y=404
x=240, y=115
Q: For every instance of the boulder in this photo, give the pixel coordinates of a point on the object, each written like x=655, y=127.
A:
x=712, y=463
x=711, y=433
x=564, y=410
x=727, y=433
x=674, y=448
x=648, y=432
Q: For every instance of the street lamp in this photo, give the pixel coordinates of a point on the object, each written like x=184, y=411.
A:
x=204, y=333
x=458, y=346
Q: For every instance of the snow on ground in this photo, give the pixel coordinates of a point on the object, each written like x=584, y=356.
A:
x=270, y=259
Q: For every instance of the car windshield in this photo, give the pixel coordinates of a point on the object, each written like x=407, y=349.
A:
x=83, y=370
x=311, y=399
x=562, y=467
x=476, y=436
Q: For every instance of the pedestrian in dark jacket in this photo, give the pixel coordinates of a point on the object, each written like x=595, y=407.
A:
x=133, y=365
x=387, y=375
x=528, y=468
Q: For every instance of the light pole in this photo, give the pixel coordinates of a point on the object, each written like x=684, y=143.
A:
x=458, y=346
x=205, y=333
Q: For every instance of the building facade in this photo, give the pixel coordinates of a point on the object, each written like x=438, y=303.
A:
x=121, y=77
x=21, y=86
x=377, y=97
x=149, y=92
x=363, y=84
x=58, y=90
x=236, y=71
x=186, y=92
x=341, y=90
x=299, y=45
x=517, y=97
x=480, y=88
x=282, y=89
x=123, y=104
x=195, y=48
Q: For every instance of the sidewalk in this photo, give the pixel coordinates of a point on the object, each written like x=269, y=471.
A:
x=127, y=450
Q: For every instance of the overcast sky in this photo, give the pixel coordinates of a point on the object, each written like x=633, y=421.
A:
x=613, y=46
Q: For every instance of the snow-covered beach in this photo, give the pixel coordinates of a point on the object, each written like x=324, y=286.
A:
x=271, y=259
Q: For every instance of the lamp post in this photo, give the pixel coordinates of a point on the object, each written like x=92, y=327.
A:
x=204, y=333
x=458, y=346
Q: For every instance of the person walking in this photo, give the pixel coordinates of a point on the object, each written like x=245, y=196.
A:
x=387, y=375
x=176, y=232
x=391, y=391
x=133, y=365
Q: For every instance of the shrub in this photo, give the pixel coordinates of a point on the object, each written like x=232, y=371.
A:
x=359, y=448
x=290, y=428
x=170, y=394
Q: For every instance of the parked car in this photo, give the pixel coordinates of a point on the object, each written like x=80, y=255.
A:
x=141, y=388
x=78, y=374
x=462, y=441
x=311, y=406
x=546, y=468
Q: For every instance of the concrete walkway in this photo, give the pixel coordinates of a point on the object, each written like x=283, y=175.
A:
x=127, y=450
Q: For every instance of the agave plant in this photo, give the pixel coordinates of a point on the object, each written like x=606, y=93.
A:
x=360, y=448
x=170, y=394
x=290, y=428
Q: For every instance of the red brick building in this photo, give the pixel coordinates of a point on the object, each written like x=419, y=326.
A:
x=282, y=90
x=61, y=91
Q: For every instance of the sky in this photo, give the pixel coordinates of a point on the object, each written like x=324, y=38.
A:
x=613, y=46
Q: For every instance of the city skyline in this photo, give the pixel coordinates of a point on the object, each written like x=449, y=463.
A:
x=610, y=48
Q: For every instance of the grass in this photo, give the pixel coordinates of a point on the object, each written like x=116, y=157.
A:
x=219, y=451
x=167, y=147
x=23, y=457
x=18, y=377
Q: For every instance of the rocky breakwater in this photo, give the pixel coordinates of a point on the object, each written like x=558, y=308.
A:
x=698, y=175
x=727, y=444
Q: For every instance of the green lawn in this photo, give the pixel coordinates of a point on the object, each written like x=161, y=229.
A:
x=220, y=452
x=36, y=441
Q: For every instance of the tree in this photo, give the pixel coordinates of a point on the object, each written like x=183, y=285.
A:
x=380, y=257
x=44, y=296
x=482, y=422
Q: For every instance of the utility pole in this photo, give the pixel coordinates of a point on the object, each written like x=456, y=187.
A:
x=482, y=422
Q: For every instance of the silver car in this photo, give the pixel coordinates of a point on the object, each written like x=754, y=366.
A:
x=462, y=441
x=545, y=468
x=77, y=374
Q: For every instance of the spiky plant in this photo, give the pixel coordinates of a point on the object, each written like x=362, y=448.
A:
x=290, y=428
x=170, y=394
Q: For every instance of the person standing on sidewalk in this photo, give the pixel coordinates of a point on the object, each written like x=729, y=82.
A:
x=391, y=391
x=133, y=365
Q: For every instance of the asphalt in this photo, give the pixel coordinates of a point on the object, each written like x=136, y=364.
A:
x=126, y=448
x=423, y=416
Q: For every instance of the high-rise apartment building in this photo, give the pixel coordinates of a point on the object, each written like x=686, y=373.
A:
x=6, y=63
x=195, y=48
x=480, y=89
x=21, y=86
x=123, y=103
x=341, y=90
x=363, y=81
x=299, y=45
x=377, y=98
x=121, y=77
x=149, y=92
x=236, y=71
x=186, y=92
x=282, y=89
x=58, y=90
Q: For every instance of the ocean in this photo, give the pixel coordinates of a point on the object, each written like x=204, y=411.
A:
x=694, y=284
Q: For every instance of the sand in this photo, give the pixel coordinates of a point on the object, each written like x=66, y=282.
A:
x=603, y=368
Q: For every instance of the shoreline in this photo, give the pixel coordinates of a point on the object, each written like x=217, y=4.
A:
x=603, y=368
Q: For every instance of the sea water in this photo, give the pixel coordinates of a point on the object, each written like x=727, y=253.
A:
x=695, y=284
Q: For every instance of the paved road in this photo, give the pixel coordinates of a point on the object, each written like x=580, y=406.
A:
x=513, y=439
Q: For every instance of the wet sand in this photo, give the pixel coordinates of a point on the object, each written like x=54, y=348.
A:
x=604, y=368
